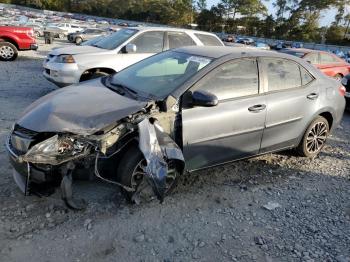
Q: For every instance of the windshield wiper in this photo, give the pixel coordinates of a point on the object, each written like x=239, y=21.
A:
x=121, y=89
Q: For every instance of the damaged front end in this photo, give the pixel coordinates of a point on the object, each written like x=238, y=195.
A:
x=60, y=155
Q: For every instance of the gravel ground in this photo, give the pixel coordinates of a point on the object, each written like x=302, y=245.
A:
x=276, y=207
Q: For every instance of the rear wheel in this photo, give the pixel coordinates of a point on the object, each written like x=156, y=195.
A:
x=131, y=172
x=61, y=36
x=314, y=138
x=78, y=40
x=8, y=52
x=338, y=77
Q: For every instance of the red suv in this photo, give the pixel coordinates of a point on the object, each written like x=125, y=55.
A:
x=14, y=39
x=328, y=63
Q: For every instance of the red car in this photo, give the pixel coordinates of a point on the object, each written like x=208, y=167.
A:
x=328, y=63
x=14, y=39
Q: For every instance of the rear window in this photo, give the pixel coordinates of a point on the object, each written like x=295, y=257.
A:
x=208, y=40
x=326, y=59
x=281, y=74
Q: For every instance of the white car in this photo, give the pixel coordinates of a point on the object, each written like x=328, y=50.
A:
x=74, y=64
x=65, y=29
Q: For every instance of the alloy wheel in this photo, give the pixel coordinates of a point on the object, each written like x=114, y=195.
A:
x=317, y=137
x=144, y=191
x=6, y=52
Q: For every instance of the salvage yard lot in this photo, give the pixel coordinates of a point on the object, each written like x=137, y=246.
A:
x=213, y=215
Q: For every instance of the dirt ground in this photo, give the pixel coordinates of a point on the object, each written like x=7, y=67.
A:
x=215, y=215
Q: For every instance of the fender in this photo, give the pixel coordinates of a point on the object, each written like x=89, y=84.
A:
x=12, y=37
x=319, y=112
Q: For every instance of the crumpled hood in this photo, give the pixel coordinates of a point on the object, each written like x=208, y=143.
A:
x=76, y=50
x=82, y=109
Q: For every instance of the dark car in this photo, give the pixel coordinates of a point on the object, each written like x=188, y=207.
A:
x=346, y=83
x=85, y=35
x=181, y=110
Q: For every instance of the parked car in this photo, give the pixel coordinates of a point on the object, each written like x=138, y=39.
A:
x=173, y=112
x=261, y=45
x=346, y=83
x=92, y=41
x=328, y=63
x=64, y=29
x=281, y=45
x=70, y=65
x=85, y=35
x=245, y=41
x=14, y=39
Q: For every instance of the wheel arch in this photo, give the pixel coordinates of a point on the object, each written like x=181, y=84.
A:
x=10, y=40
x=327, y=113
x=91, y=71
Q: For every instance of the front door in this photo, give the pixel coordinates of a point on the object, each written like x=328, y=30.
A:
x=231, y=130
x=147, y=44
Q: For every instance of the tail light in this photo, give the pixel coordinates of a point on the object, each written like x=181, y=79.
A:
x=342, y=90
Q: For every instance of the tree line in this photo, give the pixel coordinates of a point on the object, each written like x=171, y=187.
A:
x=293, y=19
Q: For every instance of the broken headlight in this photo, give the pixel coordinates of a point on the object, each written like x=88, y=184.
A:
x=56, y=150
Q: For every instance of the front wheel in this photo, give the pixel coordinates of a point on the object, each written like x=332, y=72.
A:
x=131, y=172
x=8, y=52
x=314, y=138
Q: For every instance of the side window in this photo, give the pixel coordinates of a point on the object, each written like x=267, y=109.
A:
x=208, y=40
x=231, y=80
x=327, y=59
x=149, y=42
x=281, y=74
x=179, y=39
x=313, y=58
x=306, y=78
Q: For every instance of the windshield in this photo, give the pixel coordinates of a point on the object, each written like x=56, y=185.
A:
x=114, y=40
x=159, y=75
x=92, y=41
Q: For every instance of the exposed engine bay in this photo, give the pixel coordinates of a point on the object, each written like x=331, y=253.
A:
x=153, y=129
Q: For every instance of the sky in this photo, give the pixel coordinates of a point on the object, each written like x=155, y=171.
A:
x=327, y=16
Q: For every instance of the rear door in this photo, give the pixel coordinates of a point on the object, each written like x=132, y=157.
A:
x=176, y=39
x=292, y=99
x=231, y=130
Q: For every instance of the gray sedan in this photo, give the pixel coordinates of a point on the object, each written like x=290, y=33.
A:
x=181, y=110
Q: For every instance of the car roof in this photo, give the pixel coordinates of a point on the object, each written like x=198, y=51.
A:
x=220, y=51
x=164, y=28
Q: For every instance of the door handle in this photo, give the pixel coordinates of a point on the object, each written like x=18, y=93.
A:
x=312, y=96
x=256, y=108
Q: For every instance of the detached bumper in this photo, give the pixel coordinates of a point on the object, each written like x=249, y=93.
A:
x=34, y=47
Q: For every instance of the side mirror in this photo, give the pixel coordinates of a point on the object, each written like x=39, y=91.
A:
x=204, y=99
x=129, y=49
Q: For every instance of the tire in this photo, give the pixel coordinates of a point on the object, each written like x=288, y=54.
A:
x=78, y=40
x=37, y=34
x=314, y=138
x=338, y=77
x=8, y=52
x=126, y=170
x=61, y=36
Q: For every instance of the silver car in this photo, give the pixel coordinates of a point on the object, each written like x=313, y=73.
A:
x=177, y=111
x=85, y=35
